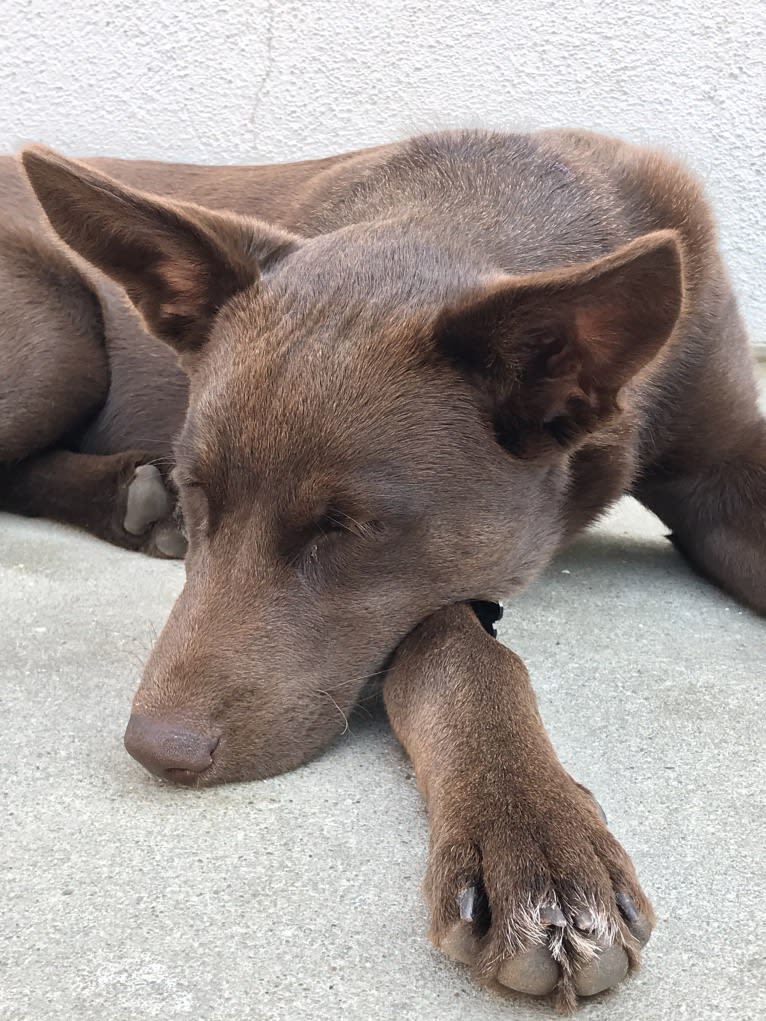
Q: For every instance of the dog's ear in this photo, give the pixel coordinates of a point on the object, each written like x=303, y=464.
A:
x=178, y=262
x=551, y=351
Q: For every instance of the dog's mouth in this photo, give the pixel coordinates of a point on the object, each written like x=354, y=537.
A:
x=187, y=777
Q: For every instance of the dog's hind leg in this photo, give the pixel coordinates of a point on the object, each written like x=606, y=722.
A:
x=53, y=364
x=709, y=484
x=717, y=517
x=54, y=378
x=117, y=497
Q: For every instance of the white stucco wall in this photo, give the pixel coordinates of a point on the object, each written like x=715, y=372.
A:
x=245, y=81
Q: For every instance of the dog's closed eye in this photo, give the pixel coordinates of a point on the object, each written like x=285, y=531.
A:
x=329, y=535
x=335, y=522
x=194, y=503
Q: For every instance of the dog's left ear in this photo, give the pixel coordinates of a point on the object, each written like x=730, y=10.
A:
x=179, y=263
x=551, y=351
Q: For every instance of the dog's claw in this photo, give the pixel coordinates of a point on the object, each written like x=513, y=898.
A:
x=473, y=906
x=466, y=902
x=553, y=915
x=584, y=920
x=639, y=925
x=627, y=907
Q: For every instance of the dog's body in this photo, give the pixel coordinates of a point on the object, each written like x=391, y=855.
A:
x=466, y=347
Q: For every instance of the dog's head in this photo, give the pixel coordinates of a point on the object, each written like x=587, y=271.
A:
x=375, y=430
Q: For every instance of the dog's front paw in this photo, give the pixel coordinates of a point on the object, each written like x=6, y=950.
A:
x=531, y=889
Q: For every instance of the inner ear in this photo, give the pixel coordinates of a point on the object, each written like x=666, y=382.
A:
x=551, y=351
x=178, y=262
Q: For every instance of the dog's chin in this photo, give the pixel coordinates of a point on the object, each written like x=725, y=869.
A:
x=188, y=778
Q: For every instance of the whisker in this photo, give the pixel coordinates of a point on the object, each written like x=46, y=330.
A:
x=359, y=708
x=347, y=728
x=135, y=657
x=357, y=680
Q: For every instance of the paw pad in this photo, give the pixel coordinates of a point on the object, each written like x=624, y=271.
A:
x=147, y=500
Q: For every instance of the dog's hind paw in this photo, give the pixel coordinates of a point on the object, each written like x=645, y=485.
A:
x=150, y=514
x=147, y=501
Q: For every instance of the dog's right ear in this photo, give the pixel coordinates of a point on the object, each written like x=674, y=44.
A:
x=178, y=262
x=551, y=351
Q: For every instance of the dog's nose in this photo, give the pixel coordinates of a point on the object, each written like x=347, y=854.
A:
x=168, y=748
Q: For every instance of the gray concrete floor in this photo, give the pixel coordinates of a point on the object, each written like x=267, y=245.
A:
x=298, y=898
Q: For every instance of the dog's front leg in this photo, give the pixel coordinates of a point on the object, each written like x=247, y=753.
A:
x=524, y=882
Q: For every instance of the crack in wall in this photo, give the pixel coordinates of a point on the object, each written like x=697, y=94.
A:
x=260, y=88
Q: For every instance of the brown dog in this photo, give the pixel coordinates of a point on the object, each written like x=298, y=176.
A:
x=413, y=373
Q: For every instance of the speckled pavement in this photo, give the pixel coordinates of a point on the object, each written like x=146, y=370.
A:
x=299, y=897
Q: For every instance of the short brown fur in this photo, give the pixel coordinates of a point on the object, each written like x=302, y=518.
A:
x=405, y=377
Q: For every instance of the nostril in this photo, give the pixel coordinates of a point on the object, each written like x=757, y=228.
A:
x=163, y=745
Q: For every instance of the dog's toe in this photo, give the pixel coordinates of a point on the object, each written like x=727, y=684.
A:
x=169, y=540
x=147, y=500
x=533, y=972
x=460, y=944
x=608, y=968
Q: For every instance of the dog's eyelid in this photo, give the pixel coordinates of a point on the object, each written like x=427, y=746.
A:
x=184, y=479
x=335, y=520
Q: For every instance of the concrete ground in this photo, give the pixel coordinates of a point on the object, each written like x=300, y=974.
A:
x=299, y=897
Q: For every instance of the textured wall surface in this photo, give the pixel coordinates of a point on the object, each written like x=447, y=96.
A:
x=254, y=81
